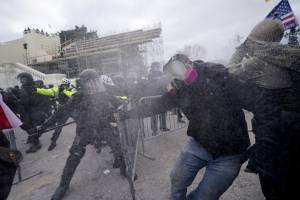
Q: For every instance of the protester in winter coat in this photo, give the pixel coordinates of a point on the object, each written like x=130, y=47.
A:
x=217, y=129
x=273, y=71
x=157, y=86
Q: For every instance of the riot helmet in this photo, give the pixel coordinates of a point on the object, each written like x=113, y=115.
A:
x=26, y=79
x=88, y=74
x=39, y=83
x=65, y=81
x=89, y=82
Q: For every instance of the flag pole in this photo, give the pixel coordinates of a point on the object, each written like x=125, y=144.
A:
x=293, y=36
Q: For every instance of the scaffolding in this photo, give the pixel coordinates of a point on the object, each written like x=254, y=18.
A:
x=121, y=53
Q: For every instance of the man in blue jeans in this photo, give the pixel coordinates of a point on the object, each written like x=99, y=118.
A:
x=218, y=136
x=219, y=174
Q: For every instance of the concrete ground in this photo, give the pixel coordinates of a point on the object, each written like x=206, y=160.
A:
x=91, y=183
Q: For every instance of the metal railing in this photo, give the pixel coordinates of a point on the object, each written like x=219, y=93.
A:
x=159, y=124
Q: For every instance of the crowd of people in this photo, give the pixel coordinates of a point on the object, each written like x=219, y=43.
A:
x=262, y=77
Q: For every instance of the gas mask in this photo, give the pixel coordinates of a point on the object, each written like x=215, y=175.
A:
x=176, y=70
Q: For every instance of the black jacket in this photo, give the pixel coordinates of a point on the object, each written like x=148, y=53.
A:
x=34, y=108
x=94, y=111
x=216, y=119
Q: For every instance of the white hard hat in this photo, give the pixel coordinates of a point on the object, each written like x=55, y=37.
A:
x=107, y=80
x=65, y=81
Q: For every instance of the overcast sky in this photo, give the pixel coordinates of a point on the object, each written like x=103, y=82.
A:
x=210, y=23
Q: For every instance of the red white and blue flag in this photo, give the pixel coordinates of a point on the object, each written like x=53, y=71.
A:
x=284, y=12
x=8, y=119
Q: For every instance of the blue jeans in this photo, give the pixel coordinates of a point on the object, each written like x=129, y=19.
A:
x=218, y=177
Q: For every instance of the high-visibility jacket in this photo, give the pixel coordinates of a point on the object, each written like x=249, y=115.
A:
x=53, y=92
x=122, y=97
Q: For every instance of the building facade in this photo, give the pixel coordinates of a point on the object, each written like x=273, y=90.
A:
x=35, y=46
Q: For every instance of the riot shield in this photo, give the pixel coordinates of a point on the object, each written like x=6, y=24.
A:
x=129, y=136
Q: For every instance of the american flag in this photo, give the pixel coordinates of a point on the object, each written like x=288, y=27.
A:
x=284, y=12
x=8, y=119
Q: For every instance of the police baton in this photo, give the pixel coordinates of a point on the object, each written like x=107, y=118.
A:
x=39, y=133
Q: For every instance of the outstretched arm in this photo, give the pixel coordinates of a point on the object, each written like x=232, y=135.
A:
x=62, y=111
x=156, y=106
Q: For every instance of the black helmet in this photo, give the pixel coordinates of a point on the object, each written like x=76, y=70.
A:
x=39, y=83
x=88, y=74
x=25, y=78
x=89, y=82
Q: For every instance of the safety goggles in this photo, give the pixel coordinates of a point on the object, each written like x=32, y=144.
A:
x=177, y=66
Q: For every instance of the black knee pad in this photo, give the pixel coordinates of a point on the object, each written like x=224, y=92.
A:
x=77, y=151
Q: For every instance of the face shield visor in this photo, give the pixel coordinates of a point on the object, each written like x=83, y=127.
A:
x=25, y=81
x=91, y=86
x=175, y=70
x=177, y=67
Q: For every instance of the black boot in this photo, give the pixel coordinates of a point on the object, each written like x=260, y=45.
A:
x=66, y=177
x=59, y=192
x=35, y=146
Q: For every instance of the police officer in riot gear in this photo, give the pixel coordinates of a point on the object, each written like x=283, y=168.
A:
x=61, y=95
x=33, y=109
x=94, y=110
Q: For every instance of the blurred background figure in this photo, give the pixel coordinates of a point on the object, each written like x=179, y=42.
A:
x=157, y=86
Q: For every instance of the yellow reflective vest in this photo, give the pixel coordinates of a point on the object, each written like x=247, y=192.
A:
x=53, y=92
x=122, y=97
